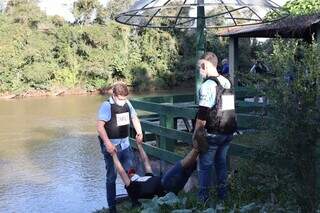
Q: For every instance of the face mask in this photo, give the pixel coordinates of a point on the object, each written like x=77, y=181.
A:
x=202, y=72
x=120, y=102
x=203, y=75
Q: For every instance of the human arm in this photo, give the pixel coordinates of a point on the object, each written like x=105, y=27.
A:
x=104, y=136
x=125, y=178
x=104, y=115
x=144, y=158
x=136, y=123
x=200, y=124
x=205, y=103
x=137, y=127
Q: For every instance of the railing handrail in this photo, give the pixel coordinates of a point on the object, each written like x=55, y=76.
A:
x=165, y=110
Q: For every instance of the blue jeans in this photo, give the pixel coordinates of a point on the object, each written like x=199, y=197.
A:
x=176, y=177
x=126, y=158
x=215, y=156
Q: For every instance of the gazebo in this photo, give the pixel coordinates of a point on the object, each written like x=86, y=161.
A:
x=304, y=27
x=199, y=15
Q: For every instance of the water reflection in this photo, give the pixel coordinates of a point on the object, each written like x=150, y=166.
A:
x=50, y=160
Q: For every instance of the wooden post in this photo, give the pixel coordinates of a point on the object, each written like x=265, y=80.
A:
x=165, y=143
x=233, y=57
x=317, y=36
x=317, y=148
x=233, y=65
x=317, y=172
x=200, y=37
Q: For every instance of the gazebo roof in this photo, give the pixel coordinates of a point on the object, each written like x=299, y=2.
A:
x=185, y=14
x=289, y=27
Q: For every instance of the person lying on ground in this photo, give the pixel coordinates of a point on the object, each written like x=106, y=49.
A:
x=173, y=180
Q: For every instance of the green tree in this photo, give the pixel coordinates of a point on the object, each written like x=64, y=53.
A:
x=114, y=7
x=84, y=10
x=295, y=95
x=102, y=15
x=25, y=12
x=302, y=7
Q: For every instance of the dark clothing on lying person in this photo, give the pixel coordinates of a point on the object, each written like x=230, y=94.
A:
x=149, y=185
x=145, y=187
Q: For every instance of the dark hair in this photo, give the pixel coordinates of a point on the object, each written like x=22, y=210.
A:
x=120, y=88
x=211, y=57
x=131, y=171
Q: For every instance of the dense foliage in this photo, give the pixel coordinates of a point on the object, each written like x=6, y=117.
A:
x=45, y=53
x=302, y=7
x=38, y=52
x=296, y=94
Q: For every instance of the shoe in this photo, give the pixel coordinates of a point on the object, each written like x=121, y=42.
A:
x=135, y=203
x=199, y=140
x=113, y=209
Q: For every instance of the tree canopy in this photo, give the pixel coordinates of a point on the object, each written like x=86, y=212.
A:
x=302, y=7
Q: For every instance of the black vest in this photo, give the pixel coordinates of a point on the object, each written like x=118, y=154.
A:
x=115, y=128
x=219, y=120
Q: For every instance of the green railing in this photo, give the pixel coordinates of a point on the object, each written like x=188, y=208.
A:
x=162, y=113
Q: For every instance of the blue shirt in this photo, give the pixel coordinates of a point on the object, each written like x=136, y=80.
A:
x=225, y=69
x=104, y=114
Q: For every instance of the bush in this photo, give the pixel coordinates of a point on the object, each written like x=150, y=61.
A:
x=295, y=95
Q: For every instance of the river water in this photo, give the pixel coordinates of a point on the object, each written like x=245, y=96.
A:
x=50, y=160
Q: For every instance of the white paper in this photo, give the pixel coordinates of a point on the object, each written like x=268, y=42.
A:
x=123, y=119
x=227, y=102
x=143, y=179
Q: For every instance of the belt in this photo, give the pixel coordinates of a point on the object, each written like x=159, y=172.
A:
x=118, y=147
x=211, y=134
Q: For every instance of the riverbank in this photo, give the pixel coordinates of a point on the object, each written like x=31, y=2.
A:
x=46, y=93
x=184, y=87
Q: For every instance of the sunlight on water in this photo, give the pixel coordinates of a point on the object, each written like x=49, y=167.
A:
x=50, y=160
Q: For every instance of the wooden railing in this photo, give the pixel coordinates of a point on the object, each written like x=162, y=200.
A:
x=161, y=124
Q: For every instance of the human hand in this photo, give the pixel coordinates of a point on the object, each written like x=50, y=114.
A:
x=111, y=149
x=139, y=138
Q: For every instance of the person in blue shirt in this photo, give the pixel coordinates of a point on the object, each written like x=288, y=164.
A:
x=113, y=125
x=225, y=67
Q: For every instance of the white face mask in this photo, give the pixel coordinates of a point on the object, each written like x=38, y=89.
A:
x=203, y=75
x=202, y=71
x=119, y=102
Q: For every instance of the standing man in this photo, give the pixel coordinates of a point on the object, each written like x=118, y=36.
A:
x=216, y=113
x=113, y=125
x=225, y=68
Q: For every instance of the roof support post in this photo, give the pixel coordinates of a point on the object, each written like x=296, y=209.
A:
x=317, y=36
x=200, y=48
x=233, y=57
x=317, y=149
x=317, y=176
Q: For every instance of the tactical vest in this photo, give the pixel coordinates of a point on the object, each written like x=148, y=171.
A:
x=222, y=116
x=119, y=124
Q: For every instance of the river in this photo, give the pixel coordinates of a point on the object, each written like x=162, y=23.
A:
x=50, y=160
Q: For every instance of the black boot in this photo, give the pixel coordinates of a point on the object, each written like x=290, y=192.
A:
x=113, y=209
x=135, y=203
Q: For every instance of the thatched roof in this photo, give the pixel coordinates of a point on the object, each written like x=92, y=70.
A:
x=289, y=27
